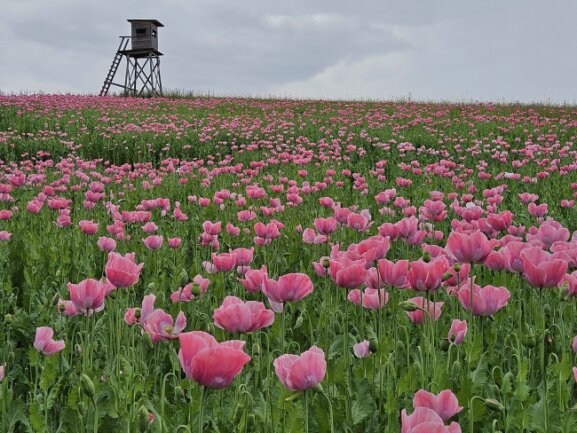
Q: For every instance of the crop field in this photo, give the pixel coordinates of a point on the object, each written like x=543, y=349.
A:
x=243, y=265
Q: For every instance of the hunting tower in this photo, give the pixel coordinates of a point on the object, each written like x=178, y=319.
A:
x=142, y=77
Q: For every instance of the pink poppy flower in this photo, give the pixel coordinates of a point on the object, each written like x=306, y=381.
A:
x=88, y=295
x=394, y=274
x=208, y=362
x=234, y=315
x=44, y=343
x=486, y=300
x=224, y=262
x=457, y=332
x=370, y=298
x=433, y=310
x=362, y=349
x=121, y=271
x=346, y=273
x=161, y=326
x=427, y=276
x=445, y=404
x=289, y=288
x=541, y=269
x=298, y=373
x=468, y=248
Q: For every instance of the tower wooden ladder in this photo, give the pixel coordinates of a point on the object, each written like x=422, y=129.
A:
x=114, y=66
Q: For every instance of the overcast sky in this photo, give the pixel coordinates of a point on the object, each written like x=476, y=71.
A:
x=460, y=50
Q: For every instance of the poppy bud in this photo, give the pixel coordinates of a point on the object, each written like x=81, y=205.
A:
x=151, y=287
x=457, y=267
x=408, y=306
x=318, y=388
x=182, y=278
x=299, y=322
x=8, y=318
x=373, y=346
x=137, y=313
x=195, y=289
x=293, y=397
x=326, y=263
x=426, y=257
x=446, y=276
x=491, y=403
x=87, y=385
x=148, y=339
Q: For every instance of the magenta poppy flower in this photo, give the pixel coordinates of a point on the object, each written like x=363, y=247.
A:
x=208, y=362
x=298, y=373
x=44, y=343
x=234, y=315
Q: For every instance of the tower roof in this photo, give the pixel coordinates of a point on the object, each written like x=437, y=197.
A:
x=155, y=22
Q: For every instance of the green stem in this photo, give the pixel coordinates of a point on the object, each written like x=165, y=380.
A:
x=201, y=412
x=306, y=407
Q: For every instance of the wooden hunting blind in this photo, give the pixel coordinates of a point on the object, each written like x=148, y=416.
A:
x=142, y=77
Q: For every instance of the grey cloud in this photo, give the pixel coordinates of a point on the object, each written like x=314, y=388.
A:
x=444, y=49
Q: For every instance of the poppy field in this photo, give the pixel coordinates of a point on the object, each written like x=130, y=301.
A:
x=242, y=265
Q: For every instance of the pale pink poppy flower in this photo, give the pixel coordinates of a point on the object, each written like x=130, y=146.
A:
x=106, y=244
x=362, y=349
x=153, y=242
x=445, y=404
x=44, y=343
x=457, y=332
